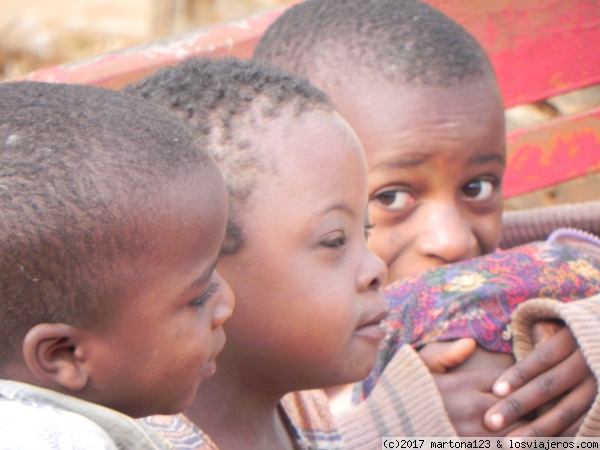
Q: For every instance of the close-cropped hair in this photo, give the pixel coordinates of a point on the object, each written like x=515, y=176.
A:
x=405, y=41
x=231, y=102
x=79, y=168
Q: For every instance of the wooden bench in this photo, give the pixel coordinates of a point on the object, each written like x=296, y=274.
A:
x=539, y=49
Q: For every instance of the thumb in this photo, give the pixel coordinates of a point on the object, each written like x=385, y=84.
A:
x=441, y=356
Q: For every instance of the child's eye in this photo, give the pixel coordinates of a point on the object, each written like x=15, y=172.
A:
x=480, y=190
x=212, y=289
x=335, y=242
x=394, y=199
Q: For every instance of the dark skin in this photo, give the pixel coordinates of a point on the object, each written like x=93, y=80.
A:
x=464, y=375
x=553, y=378
x=547, y=393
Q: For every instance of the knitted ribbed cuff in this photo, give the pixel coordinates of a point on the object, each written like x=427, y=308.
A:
x=535, y=224
x=583, y=319
x=405, y=402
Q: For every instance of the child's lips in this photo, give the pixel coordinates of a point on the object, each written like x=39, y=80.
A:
x=371, y=328
x=219, y=345
x=209, y=369
x=211, y=365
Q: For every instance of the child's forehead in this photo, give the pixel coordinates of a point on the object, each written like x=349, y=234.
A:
x=393, y=119
x=370, y=86
x=320, y=163
x=310, y=142
x=366, y=104
x=290, y=132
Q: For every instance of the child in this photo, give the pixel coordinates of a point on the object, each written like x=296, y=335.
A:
x=307, y=287
x=423, y=99
x=112, y=221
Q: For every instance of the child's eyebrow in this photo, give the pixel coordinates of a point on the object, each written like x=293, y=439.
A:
x=491, y=157
x=201, y=280
x=336, y=207
x=401, y=163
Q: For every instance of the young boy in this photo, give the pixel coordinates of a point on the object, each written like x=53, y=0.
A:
x=112, y=222
x=422, y=97
x=307, y=288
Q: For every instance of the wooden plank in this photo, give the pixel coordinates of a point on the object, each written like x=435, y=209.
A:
x=538, y=48
x=556, y=151
x=115, y=70
x=577, y=190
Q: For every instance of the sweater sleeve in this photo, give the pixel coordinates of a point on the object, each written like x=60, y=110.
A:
x=405, y=402
x=536, y=224
x=583, y=319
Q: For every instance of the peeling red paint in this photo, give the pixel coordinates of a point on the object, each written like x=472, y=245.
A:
x=557, y=151
x=538, y=48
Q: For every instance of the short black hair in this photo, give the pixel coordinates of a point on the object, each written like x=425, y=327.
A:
x=230, y=101
x=79, y=167
x=405, y=41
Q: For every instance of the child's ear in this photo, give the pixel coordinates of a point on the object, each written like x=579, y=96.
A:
x=55, y=354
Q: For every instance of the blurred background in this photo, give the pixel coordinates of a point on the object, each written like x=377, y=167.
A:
x=40, y=33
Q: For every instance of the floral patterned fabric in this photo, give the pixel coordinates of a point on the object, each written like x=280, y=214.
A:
x=476, y=298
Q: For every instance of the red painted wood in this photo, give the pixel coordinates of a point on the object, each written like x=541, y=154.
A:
x=557, y=151
x=538, y=48
x=115, y=70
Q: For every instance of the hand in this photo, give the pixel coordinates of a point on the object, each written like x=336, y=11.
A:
x=554, y=371
x=467, y=396
x=466, y=392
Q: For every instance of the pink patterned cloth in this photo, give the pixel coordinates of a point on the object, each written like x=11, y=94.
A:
x=476, y=298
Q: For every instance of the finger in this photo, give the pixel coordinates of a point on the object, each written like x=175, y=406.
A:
x=565, y=417
x=480, y=380
x=543, y=357
x=440, y=356
x=544, y=329
x=509, y=430
x=540, y=390
x=476, y=428
x=572, y=430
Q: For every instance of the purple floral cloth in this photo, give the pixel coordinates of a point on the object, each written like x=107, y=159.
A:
x=476, y=298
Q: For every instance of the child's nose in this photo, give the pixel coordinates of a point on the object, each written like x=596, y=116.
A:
x=224, y=305
x=373, y=273
x=448, y=237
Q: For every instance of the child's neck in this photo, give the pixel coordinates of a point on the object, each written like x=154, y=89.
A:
x=237, y=416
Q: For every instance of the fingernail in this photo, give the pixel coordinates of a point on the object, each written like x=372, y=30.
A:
x=502, y=388
x=497, y=421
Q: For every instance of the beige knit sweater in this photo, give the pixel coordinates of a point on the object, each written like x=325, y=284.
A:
x=405, y=402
